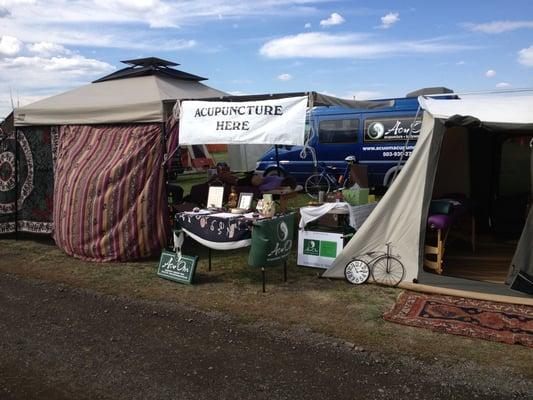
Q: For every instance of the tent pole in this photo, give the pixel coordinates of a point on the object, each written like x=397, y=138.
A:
x=277, y=160
x=16, y=185
x=165, y=179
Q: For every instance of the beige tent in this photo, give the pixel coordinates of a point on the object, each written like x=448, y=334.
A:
x=134, y=97
x=132, y=100
x=400, y=217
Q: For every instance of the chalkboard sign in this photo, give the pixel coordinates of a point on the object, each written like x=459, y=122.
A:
x=178, y=268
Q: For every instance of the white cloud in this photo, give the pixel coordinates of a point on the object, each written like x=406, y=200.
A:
x=36, y=76
x=490, y=73
x=18, y=101
x=131, y=24
x=460, y=62
x=364, y=95
x=503, y=85
x=389, y=19
x=334, y=19
x=52, y=14
x=307, y=25
x=9, y=46
x=324, y=45
x=4, y=12
x=75, y=65
x=499, y=26
x=285, y=77
x=47, y=48
x=238, y=93
x=137, y=5
x=356, y=94
x=525, y=56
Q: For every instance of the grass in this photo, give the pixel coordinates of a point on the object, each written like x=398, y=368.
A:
x=331, y=307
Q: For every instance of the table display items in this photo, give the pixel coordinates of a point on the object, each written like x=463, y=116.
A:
x=355, y=197
x=215, y=197
x=233, y=198
x=244, y=203
x=268, y=207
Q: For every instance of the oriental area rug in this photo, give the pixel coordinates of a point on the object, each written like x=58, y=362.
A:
x=500, y=322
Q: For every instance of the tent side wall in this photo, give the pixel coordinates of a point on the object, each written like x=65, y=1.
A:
x=109, y=197
x=26, y=189
x=401, y=215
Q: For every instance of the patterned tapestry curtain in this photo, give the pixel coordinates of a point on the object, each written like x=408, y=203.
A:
x=26, y=174
x=172, y=139
x=109, y=192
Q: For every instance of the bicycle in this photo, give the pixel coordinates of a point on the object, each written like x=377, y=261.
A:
x=385, y=268
x=324, y=181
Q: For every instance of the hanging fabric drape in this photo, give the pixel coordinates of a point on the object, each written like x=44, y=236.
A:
x=108, y=193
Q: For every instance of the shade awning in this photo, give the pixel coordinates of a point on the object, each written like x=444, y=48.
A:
x=132, y=100
x=498, y=109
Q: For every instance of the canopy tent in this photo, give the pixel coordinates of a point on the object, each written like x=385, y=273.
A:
x=99, y=150
x=401, y=216
x=128, y=100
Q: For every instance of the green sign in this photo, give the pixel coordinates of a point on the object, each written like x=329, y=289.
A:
x=311, y=247
x=178, y=268
x=322, y=248
x=328, y=249
x=271, y=241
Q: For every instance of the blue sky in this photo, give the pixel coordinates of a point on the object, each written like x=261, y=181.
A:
x=366, y=49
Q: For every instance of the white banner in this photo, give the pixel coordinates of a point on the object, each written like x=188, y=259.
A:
x=280, y=121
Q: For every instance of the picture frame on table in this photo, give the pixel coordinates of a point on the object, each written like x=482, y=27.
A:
x=215, y=197
x=245, y=201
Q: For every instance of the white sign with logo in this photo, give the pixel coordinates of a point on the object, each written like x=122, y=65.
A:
x=279, y=121
x=390, y=129
x=318, y=249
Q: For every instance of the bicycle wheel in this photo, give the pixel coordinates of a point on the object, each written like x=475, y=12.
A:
x=316, y=183
x=388, y=270
x=357, y=271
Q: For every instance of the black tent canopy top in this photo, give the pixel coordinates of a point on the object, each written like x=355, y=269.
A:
x=314, y=99
x=149, y=66
x=153, y=61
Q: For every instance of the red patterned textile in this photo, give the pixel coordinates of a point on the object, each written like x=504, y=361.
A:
x=500, y=322
x=109, y=200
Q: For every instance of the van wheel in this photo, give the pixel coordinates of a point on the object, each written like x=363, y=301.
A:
x=274, y=172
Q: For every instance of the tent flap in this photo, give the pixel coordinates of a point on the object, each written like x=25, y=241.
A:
x=399, y=216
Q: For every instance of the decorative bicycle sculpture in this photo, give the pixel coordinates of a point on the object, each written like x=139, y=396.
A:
x=384, y=267
x=324, y=180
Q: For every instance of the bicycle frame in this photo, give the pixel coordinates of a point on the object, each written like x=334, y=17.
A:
x=331, y=179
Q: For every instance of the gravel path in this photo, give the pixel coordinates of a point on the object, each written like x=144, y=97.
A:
x=59, y=342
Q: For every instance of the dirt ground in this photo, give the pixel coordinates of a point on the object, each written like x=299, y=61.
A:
x=71, y=329
x=61, y=342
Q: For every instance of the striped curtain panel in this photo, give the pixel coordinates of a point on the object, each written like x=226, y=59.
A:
x=109, y=196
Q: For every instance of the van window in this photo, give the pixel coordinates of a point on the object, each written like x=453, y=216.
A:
x=338, y=131
x=308, y=131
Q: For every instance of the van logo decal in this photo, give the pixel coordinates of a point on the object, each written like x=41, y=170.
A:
x=376, y=130
x=390, y=129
